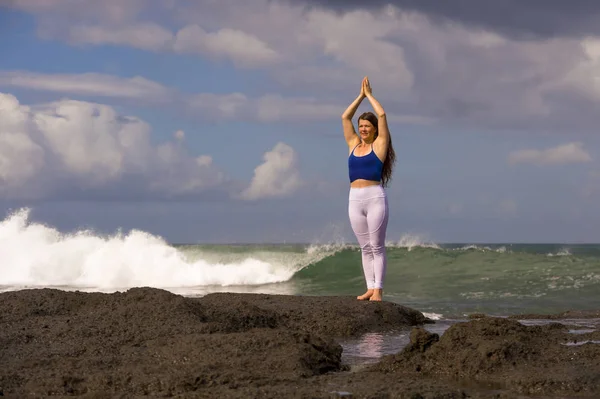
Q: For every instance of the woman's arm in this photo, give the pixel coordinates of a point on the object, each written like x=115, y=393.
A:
x=382, y=125
x=349, y=132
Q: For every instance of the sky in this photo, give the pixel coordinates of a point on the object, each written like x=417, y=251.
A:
x=220, y=121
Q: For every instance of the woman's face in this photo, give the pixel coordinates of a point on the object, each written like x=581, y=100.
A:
x=366, y=130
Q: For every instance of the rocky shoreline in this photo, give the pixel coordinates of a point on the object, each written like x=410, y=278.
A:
x=150, y=342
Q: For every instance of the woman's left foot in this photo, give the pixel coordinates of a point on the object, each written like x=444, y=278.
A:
x=377, y=295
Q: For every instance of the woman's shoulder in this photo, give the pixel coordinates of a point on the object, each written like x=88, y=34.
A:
x=380, y=148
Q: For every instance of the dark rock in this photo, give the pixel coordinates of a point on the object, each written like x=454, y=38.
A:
x=421, y=340
x=476, y=316
x=149, y=342
x=526, y=359
x=570, y=314
x=335, y=316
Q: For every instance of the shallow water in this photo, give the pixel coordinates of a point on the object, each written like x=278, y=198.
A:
x=371, y=347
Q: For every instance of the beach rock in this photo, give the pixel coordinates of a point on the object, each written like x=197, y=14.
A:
x=421, y=340
x=151, y=342
x=331, y=315
x=569, y=314
x=504, y=352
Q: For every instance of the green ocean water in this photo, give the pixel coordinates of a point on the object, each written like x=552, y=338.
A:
x=449, y=280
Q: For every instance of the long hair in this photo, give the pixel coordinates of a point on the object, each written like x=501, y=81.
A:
x=390, y=158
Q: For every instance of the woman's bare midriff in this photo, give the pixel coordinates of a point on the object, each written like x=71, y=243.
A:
x=360, y=183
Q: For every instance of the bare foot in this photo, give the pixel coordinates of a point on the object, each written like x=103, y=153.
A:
x=365, y=296
x=377, y=295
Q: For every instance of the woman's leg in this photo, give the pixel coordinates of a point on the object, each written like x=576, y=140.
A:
x=377, y=220
x=358, y=221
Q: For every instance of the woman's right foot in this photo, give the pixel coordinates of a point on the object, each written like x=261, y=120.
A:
x=365, y=296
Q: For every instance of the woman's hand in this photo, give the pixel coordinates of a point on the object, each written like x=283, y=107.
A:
x=362, y=89
x=366, y=87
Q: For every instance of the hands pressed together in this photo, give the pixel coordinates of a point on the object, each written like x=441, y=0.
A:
x=365, y=92
x=365, y=89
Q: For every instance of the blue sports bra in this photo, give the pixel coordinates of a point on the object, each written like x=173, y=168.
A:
x=368, y=167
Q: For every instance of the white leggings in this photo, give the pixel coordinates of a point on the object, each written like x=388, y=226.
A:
x=368, y=211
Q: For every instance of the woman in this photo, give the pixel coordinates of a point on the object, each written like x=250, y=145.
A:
x=370, y=162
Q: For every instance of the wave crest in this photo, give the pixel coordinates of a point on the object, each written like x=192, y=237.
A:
x=410, y=241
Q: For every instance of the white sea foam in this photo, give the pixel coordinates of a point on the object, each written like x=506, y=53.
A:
x=473, y=247
x=328, y=249
x=433, y=316
x=410, y=241
x=35, y=255
x=562, y=252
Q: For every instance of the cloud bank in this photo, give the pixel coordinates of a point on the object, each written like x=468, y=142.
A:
x=469, y=64
x=561, y=155
x=73, y=149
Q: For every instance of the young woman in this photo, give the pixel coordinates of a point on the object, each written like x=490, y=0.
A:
x=370, y=163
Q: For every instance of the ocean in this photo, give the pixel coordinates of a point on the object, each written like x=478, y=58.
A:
x=446, y=282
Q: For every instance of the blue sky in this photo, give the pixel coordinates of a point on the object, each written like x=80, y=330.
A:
x=205, y=122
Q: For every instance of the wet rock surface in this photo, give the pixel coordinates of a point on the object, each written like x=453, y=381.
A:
x=529, y=360
x=149, y=342
x=333, y=316
x=571, y=314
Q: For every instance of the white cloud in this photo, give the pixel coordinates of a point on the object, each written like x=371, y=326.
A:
x=422, y=71
x=145, y=36
x=106, y=11
x=90, y=146
x=88, y=142
x=325, y=49
x=176, y=173
x=93, y=84
x=116, y=22
x=583, y=76
x=243, y=49
x=21, y=157
x=266, y=108
x=86, y=146
x=277, y=177
x=220, y=106
x=272, y=108
x=232, y=106
x=179, y=135
x=443, y=72
x=341, y=38
x=560, y=155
